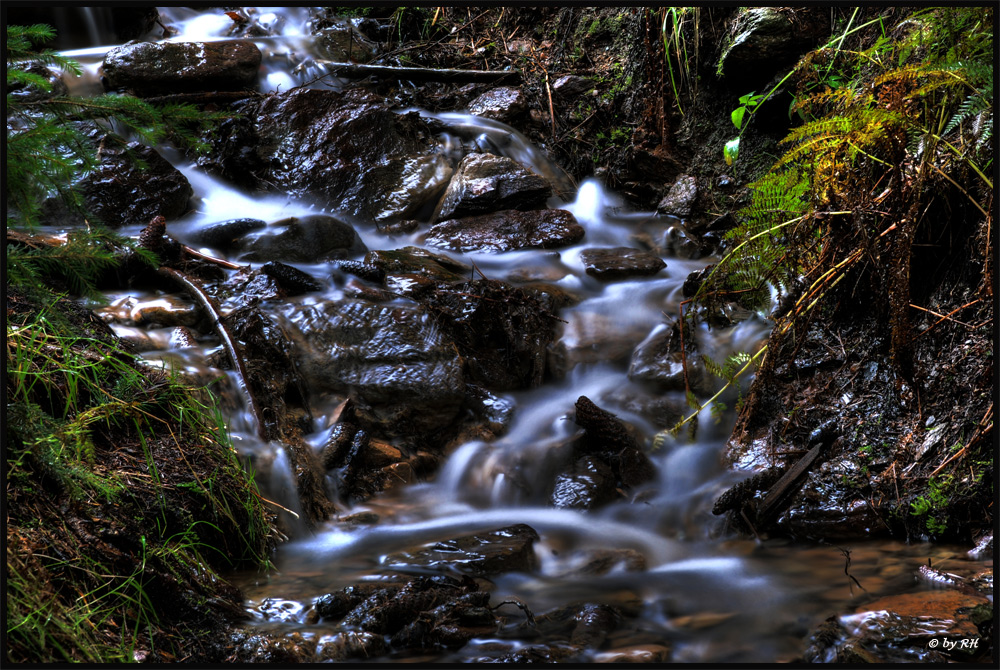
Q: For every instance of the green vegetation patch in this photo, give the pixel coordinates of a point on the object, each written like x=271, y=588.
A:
x=124, y=499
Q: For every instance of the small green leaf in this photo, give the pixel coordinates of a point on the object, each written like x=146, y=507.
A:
x=737, y=117
x=731, y=150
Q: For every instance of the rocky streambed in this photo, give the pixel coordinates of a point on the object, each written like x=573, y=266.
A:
x=453, y=368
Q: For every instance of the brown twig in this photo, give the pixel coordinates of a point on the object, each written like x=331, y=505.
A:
x=945, y=316
x=211, y=259
x=987, y=418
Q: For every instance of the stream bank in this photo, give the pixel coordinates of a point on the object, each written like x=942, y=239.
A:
x=400, y=430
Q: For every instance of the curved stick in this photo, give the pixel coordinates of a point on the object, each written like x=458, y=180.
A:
x=228, y=341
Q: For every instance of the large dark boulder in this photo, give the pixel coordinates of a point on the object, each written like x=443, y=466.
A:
x=152, y=68
x=131, y=185
x=402, y=370
x=507, y=230
x=347, y=151
x=762, y=40
x=502, y=331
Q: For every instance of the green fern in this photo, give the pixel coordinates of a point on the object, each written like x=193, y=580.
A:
x=757, y=262
x=730, y=368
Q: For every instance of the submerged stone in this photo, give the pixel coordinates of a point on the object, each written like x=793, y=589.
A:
x=620, y=263
x=509, y=549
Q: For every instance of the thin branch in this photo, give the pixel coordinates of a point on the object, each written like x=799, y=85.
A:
x=229, y=342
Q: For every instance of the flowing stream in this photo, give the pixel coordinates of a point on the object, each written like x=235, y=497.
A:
x=709, y=597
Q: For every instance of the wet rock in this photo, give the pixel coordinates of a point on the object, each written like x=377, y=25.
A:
x=26, y=94
x=509, y=549
x=501, y=330
x=269, y=647
x=593, y=337
x=347, y=151
x=246, y=287
x=899, y=629
x=494, y=411
x=304, y=240
x=163, y=310
x=507, y=230
x=824, y=507
x=422, y=179
x=225, y=234
x=293, y=280
x=983, y=548
x=340, y=41
x=403, y=372
x=131, y=185
x=570, y=86
x=503, y=103
x=367, y=271
x=485, y=183
x=336, y=605
x=763, y=40
x=451, y=624
x=680, y=200
x=336, y=451
x=613, y=441
x=603, y=431
x=276, y=384
x=620, y=263
x=658, y=361
x=417, y=261
x=151, y=68
x=593, y=623
x=633, y=467
x=389, y=611
x=182, y=338
x=694, y=280
x=399, y=227
x=589, y=484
